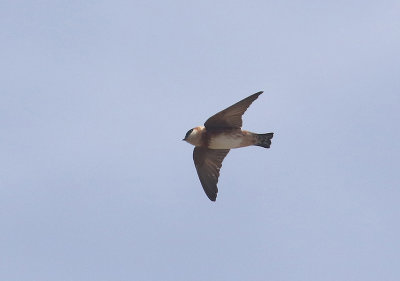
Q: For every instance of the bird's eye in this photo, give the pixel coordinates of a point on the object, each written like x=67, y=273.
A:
x=188, y=133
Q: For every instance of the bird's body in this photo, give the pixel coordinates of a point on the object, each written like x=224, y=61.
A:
x=221, y=139
x=220, y=133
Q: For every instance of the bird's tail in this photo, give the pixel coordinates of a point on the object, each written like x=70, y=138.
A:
x=264, y=140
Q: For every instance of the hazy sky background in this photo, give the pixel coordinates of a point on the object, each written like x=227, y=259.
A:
x=96, y=184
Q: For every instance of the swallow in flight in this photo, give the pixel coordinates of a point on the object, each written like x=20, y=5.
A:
x=220, y=133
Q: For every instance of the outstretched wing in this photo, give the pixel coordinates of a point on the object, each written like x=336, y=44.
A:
x=232, y=116
x=208, y=162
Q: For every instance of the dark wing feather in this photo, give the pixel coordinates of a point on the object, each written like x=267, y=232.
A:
x=208, y=162
x=232, y=116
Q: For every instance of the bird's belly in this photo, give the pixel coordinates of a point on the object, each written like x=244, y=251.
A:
x=226, y=141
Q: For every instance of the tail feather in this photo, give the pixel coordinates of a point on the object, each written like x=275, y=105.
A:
x=264, y=140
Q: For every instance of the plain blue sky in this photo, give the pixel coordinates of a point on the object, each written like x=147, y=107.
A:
x=96, y=184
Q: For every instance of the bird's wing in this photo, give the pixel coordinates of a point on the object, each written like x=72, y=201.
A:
x=232, y=116
x=208, y=162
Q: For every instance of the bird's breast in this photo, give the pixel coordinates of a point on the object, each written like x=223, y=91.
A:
x=230, y=139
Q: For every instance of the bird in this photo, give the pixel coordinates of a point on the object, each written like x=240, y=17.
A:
x=213, y=141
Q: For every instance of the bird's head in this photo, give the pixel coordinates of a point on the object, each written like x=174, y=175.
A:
x=194, y=136
x=187, y=136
